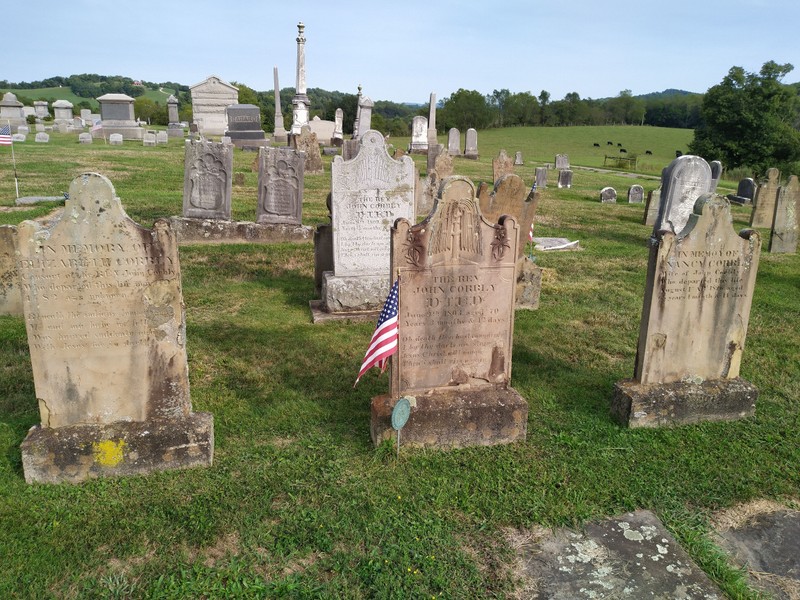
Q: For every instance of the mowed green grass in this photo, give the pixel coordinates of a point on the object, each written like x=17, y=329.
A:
x=299, y=504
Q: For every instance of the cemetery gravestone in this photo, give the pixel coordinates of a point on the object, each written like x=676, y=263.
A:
x=694, y=323
x=652, y=207
x=502, y=165
x=115, y=139
x=23, y=129
x=244, y=126
x=106, y=328
x=338, y=130
x=783, y=238
x=280, y=186
x=565, y=178
x=456, y=316
x=608, y=195
x=746, y=188
x=368, y=193
x=63, y=127
x=518, y=158
x=210, y=98
x=39, y=127
x=40, y=108
x=42, y=138
x=453, y=142
x=149, y=139
x=307, y=143
x=764, y=200
x=562, y=161
x=117, y=114
x=419, y=135
x=471, y=144
x=716, y=174
x=62, y=110
x=207, y=185
x=541, y=178
x=84, y=138
x=18, y=138
x=162, y=138
x=10, y=296
x=635, y=194
x=683, y=181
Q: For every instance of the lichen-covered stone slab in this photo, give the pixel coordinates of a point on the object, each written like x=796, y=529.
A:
x=629, y=556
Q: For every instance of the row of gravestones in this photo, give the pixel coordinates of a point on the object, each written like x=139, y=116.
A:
x=101, y=295
x=504, y=165
x=635, y=194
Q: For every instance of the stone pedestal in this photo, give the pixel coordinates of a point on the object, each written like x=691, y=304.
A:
x=680, y=403
x=216, y=231
x=74, y=453
x=458, y=419
x=354, y=293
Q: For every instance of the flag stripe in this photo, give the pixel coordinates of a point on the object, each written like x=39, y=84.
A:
x=5, y=135
x=384, y=339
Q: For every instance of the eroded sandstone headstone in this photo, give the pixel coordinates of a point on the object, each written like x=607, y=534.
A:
x=10, y=297
x=565, y=178
x=694, y=323
x=107, y=334
x=652, y=207
x=456, y=319
x=561, y=161
x=471, y=144
x=307, y=142
x=208, y=180
x=502, y=165
x=683, y=181
x=453, y=142
x=764, y=200
x=280, y=186
x=783, y=237
x=608, y=195
x=635, y=194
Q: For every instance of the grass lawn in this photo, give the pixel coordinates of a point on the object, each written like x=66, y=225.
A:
x=298, y=503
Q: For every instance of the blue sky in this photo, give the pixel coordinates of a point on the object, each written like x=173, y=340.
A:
x=403, y=51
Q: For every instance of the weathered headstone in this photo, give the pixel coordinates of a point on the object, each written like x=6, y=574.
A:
x=323, y=254
x=433, y=140
x=77, y=123
x=39, y=127
x=85, y=138
x=456, y=317
x=683, y=181
x=117, y=114
x=635, y=194
x=18, y=138
x=42, y=138
x=565, y=178
x=63, y=127
x=107, y=333
x=434, y=150
x=307, y=143
x=368, y=193
x=511, y=197
x=207, y=185
x=162, y=138
x=783, y=238
x=561, y=161
x=210, y=98
x=23, y=129
x=746, y=188
x=694, y=323
x=149, y=139
x=280, y=186
x=244, y=126
x=471, y=144
x=62, y=110
x=501, y=165
x=115, y=139
x=338, y=131
x=10, y=296
x=608, y=195
x=716, y=174
x=41, y=110
x=652, y=206
x=419, y=135
x=350, y=148
x=11, y=111
x=541, y=178
x=764, y=200
x=518, y=158
x=453, y=142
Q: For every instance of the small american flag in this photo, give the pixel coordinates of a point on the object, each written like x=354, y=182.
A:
x=384, y=341
x=98, y=126
x=530, y=233
x=5, y=135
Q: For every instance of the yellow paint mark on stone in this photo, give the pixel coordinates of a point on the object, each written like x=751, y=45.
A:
x=108, y=453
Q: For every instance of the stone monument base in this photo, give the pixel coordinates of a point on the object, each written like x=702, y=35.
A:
x=354, y=293
x=174, y=131
x=455, y=419
x=213, y=231
x=529, y=284
x=128, y=132
x=681, y=403
x=79, y=452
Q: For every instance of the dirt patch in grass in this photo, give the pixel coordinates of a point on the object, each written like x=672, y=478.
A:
x=735, y=517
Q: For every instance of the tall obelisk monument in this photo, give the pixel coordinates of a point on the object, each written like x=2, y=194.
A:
x=279, y=134
x=300, y=100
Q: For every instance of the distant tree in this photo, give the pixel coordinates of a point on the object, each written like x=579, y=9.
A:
x=521, y=109
x=750, y=120
x=247, y=95
x=544, y=108
x=626, y=109
x=498, y=100
x=150, y=111
x=465, y=109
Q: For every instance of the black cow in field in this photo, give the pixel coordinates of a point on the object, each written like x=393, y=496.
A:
x=619, y=145
x=597, y=145
x=609, y=143
x=678, y=153
x=623, y=151
x=648, y=151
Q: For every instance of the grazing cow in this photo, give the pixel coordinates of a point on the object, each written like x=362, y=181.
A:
x=678, y=153
x=623, y=150
x=597, y=145
x=648, y=151
x=619, y=145
x=609, y=143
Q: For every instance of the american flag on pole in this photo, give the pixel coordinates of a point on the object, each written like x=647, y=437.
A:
x=98, y=126
x=530, y=233
x=384, y=341
x=5, y=135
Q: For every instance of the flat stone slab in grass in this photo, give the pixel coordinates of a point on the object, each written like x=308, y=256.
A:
x=629, y=556
x=764, y=538
x=24, y=200
x=551, y=244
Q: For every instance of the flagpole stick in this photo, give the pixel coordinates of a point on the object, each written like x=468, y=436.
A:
x=13, y=161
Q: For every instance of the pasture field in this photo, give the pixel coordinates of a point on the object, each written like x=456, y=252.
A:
x=65, y=93
x=298, y=503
